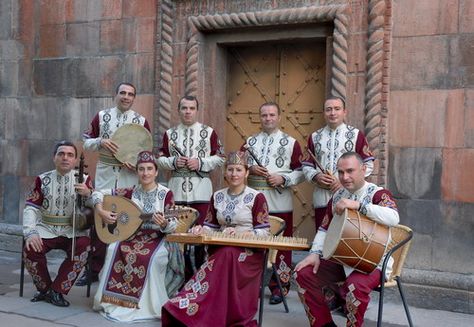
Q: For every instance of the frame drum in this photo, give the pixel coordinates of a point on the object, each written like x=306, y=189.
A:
x=131, y=139
x=356, y=241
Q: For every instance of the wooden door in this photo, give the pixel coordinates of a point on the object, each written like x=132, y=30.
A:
x=292, y=75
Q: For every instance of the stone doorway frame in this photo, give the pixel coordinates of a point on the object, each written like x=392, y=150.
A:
x=377, y=68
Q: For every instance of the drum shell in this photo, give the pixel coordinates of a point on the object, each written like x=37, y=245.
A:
x=356, y=241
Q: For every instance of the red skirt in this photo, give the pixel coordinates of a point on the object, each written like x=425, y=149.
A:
x=223, y=292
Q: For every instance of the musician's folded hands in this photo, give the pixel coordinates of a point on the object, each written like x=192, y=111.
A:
x=185, y=162
x=327, y=181
x=273, y=180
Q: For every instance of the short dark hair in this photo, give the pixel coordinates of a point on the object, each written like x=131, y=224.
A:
x=189, y=98
x=64, y=143
x=270, y=104
x=334, y=97
x=350, y=154
x=125, y=83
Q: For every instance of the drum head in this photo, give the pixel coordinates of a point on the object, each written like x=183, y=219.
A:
x=334, y=234
x=131, y=139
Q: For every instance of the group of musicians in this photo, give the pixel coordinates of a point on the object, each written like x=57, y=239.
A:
x=144, y=277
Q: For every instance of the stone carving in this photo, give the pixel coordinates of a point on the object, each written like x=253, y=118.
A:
x=165, y=71
x=376, y=90
x=336, y=13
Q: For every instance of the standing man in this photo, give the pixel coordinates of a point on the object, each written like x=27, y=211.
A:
x=277, y=169
x=110, y=173
x=317, y=277
x=327, y=145
x=47, y=225
x=191, y=151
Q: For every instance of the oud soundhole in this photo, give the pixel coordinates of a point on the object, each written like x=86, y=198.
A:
x=123, y=218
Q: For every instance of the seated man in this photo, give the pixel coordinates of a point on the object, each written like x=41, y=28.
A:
x=321, y=283
x=47, y=225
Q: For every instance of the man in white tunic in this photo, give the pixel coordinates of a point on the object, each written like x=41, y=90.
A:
x=191, y=151
x=278, y=168
x=110, y=173
x=327, y=144
x=323, y=284
x=47, y=225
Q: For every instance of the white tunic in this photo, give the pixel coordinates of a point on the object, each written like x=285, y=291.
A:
x=328, y=145
x=276, y=153
x=110, y=173
x=52, y=199
x=195, y=141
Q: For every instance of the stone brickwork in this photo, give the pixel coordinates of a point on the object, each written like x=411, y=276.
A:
x=405, y=67
x=59, y=64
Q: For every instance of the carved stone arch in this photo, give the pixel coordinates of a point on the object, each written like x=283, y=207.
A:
x=206, y=23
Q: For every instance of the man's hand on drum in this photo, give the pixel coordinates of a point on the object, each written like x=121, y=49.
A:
x=275, y=180
x=109, y=145
x=34, y=242
x=259, y=171
x=346, y=204
x=160, y=220
x=312, y=259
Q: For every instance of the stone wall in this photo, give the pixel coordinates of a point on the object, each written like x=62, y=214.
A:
x=431, y=143
x=59, y=64
x=60, y=60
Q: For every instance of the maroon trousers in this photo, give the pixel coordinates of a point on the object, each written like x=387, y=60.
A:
x=283, y=259
x=330, y=287
x=36, y=263
x=98, y=251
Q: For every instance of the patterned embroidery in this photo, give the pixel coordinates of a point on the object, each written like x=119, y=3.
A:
x=284, y=272
x=351, y=305
x=242, y=257
x=301, y=294
x=249, y=198
x=387, y=201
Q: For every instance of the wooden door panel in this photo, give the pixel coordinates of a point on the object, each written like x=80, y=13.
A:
x=291, y=75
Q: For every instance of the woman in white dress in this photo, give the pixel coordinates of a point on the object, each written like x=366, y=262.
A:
x=141, y=273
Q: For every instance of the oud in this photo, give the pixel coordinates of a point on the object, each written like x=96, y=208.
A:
x=130, y=218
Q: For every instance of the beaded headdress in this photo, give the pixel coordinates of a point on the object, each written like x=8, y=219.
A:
x=237, y=158
x=146, y=156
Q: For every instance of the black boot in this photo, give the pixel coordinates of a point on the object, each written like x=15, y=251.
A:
x=83, y=280
x=56, y=299
x=39, y=296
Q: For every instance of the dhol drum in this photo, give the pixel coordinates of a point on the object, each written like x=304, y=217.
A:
x=131, y=139
x=356, y=241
